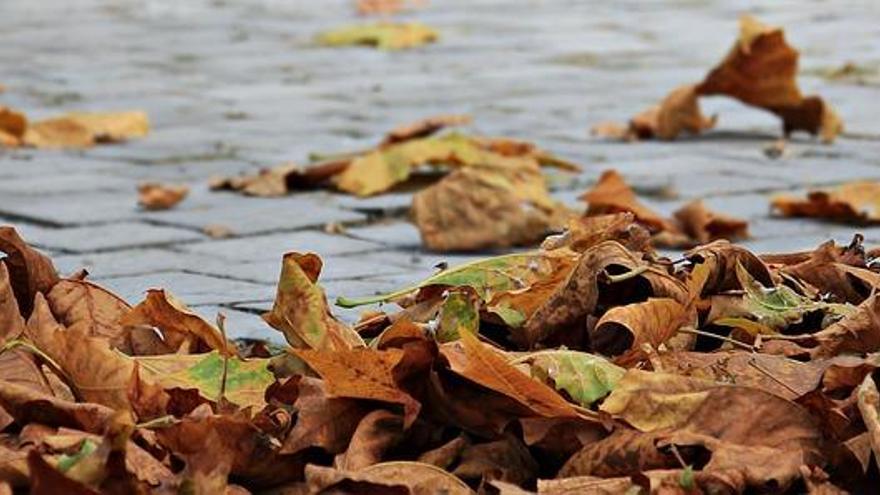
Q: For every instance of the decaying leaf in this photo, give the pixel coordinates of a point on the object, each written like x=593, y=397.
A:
x=92, y=369
x=487, y=207
x=300, y=310
x=486, y=367
x=869, y=407
x=424, y=127
x=180, y=327
x=854, y=202
x=679, y=112
x=612, y=195
x=759, y=70
x=384, y=36
x=157, y=196
x=243, y=382
x=80, y=303
x=397, y=477
x=732, y=373
x=401, y=154
x=362, y=374
x=85, y=129
x=652, y=322
x=692, y=224
x=30, y=271
x=585, y=377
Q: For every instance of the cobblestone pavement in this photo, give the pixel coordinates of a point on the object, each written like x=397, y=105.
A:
x=234, y=85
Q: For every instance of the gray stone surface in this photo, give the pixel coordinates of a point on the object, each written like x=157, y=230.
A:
x=231, y=87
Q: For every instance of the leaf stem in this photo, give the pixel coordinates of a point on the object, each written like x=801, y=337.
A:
x=716, y=336
x=635, y=272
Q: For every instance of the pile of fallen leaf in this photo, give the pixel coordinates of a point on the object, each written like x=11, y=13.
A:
x=71, y=130
x=591, y=365
x=760, y=70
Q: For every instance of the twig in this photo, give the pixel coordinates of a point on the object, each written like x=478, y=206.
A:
x=719, y=337
x=160, y=422
x=221, y=324
x=678, y=456
x=769, y=375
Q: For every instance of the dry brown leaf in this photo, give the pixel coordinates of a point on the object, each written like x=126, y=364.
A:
x=506, y=459
x=857, y=333
x=778, y=375
x=268, y=182
x=678, y=112
x=446, y=454
x=703, y=225
x=89, y=309
x=587, y=231
x=158, y=196
x=322, y=421
x=216, y=231
x=180, y=327
x=300, y=310
x=253, y=453
x=566, y=310
x=760, y=70
x=12, y=126
x=92, y=369
x=836, y=271
x=378, y=431
x=854, y=202
x=30, y=405
x=13, y=323
x=362, y=374
x=486, y=207
x=721, y=258
x=625, y=328
x=391, y=478
x=489, y=369
x=30, y=271
x=424, y=127
x=869, y=407
x=613, y=195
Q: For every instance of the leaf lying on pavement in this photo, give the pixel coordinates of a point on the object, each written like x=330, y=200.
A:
x=759, y=70
x=384, y=36
x=692, y=224
x=158, y=196
x=854, y=202
x=72, y=130
x=486, y=207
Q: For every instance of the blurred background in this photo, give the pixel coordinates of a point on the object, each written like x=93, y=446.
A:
x=232, y=86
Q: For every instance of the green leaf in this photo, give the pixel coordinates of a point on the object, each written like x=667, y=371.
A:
x=300, y=310
x=778, y=307
x=65, y=462
x=458, y=310
x=686, y=480
x=585, y=377
x=487, y=277
x=385, y=35
x=246, y=380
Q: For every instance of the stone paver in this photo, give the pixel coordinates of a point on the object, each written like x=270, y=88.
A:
x=231, y=87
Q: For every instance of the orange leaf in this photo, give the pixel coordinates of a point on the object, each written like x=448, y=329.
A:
x=362, y=374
